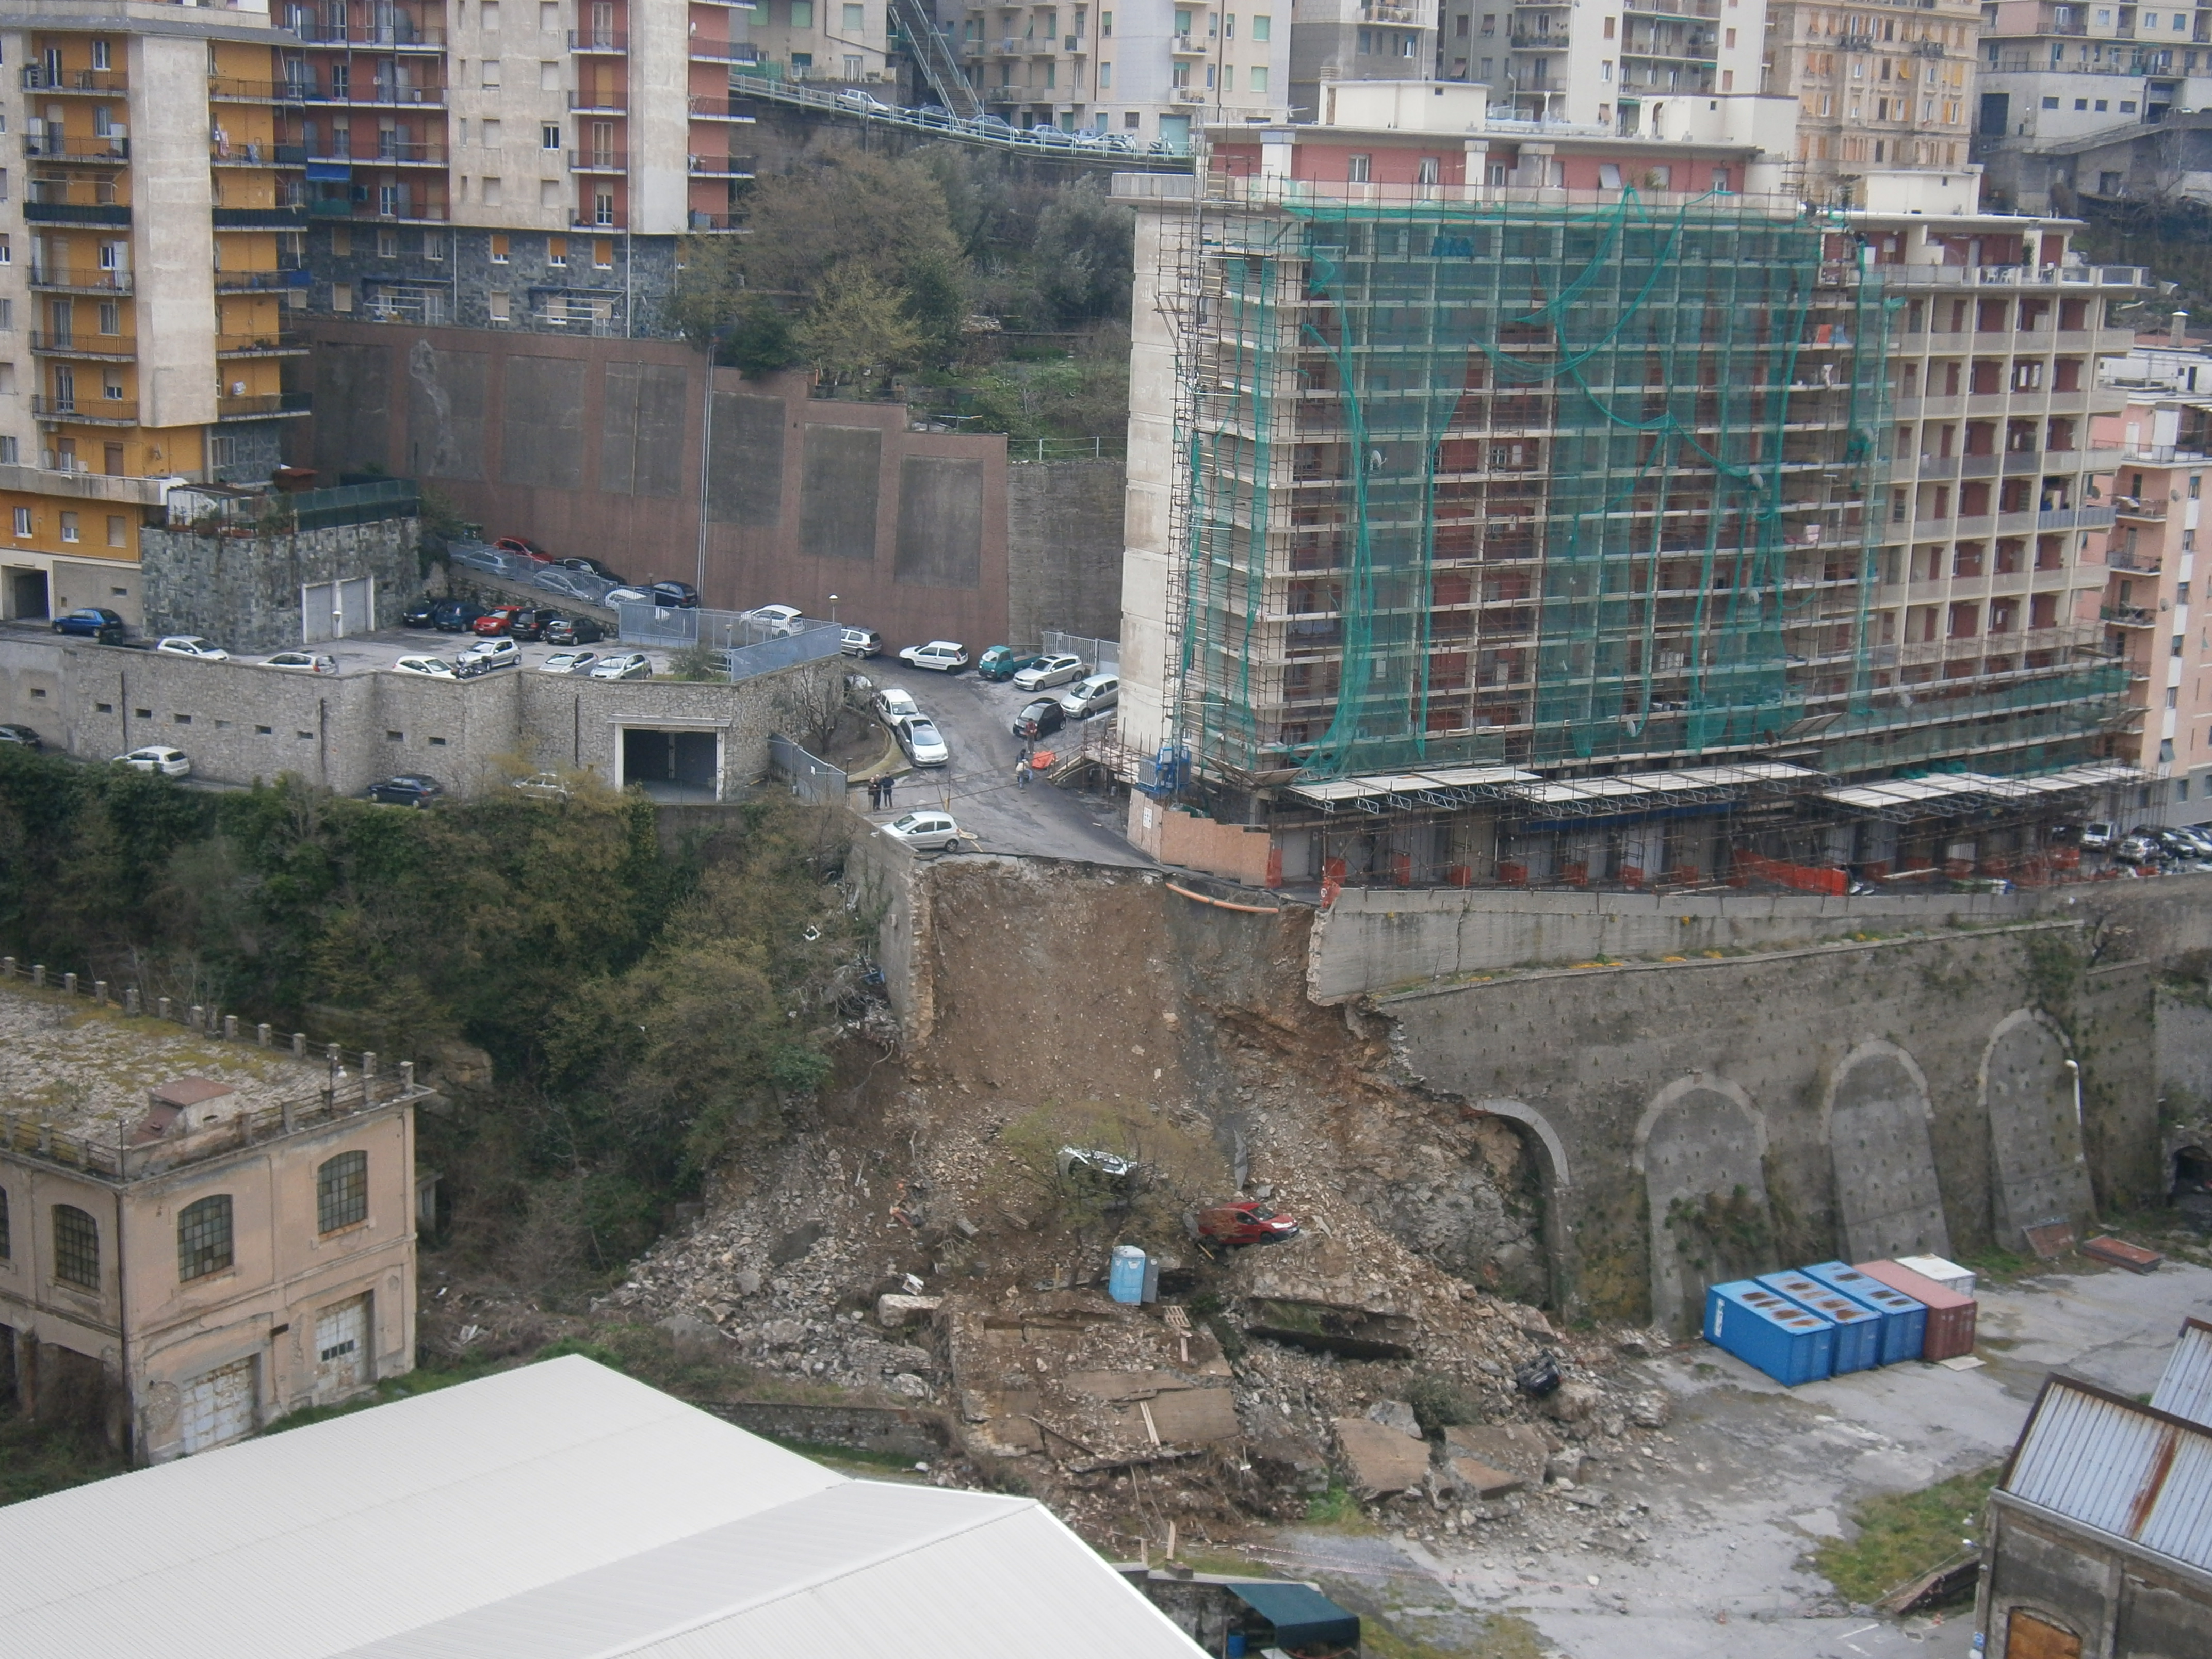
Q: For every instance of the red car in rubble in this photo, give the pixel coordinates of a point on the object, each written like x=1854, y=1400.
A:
x=1246, y=1222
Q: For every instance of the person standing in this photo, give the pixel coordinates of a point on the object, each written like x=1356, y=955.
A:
x=1022, y=773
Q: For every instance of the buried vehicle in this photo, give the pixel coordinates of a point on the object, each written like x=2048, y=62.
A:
x=1247, y=1221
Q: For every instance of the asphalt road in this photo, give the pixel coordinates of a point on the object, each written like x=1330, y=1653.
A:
x=977, y=786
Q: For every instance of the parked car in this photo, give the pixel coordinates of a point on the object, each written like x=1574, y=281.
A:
x=456, y=615
x=423, y=613
x=304, y=662
x=931, y=828
x=158, y=758
x=191, y=645
x=629, y=665
x=570, y=584
x=675, y=596
x=919, y=737
x=546, y=786
x=891, y=705
x=407, y=789
x=499, y=654
x=22, y=736
x=854, y=97
x=500, y=619
x=2098, y=837
x=945, y=656
x=1245, y=1222
x=2184, y=844
x=2135, y=847
x=1092, y=696
x=1039, y=719
x=776, y=620
x=523, y=546
x=93, y=622
x=1056, y=670
x=436, y=668
x=531, y=622
x=569, y=662
x=615, y=596
x=573, y=630
x=592, y=567
x=861, y=642
x=1003, y=662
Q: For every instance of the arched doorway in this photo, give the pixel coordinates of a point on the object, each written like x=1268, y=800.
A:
x=1701, y=1149
x=2029, y=1092
x=1887, y=1202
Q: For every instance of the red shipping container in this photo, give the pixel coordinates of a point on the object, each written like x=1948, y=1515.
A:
x=1950, y=1316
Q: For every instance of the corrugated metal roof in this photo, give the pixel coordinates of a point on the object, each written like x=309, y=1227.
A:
x=2120, y=1468
x=2185, y=1388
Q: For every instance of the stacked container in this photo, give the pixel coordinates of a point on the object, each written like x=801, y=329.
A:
x=1905, y=1322
x=1789, y=1343
x=1858, y=1327
x=1960, y=1282
x=1950, y=1332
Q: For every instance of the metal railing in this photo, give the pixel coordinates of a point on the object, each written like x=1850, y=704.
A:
x=810, y=778
x=50, y=147
x=105, y=412
x=985, y=130
x=248, y=408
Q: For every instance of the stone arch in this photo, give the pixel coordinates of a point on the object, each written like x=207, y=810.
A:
x=1699, y=1139
x=1551, y=1160
x=1875, y=1118
x=2038, y=1168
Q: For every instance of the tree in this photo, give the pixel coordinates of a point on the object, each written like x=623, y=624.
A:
x=858, y=329
x=1085, y=253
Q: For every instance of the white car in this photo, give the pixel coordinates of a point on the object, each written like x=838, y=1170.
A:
x=918, y=736
x=303, y=662
x=157, y=757
x=777, y=619
x=1049, y=671
x=569, y=662
x=630, y=666
x=499, y=653
x=860, y=643
x=945, y=656
x=893, y=705
x=191, y=644
x=926, y=830
x=435, y=668
x=627, y=596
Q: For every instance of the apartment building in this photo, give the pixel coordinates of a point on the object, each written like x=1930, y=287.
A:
x=1880, y=88
x=145, y=271
x=2161, y=441
x=200, y=1230
x=1765, y=488
x=1340, y=41
x=1149, y=70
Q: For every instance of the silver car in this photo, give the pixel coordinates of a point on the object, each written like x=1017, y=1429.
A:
x=630, y=666
x=1049, y=671
x=569, y=662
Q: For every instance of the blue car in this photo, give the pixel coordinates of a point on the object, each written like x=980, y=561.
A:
x=94, y=621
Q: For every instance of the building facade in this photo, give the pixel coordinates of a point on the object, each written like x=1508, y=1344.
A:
x=1880, y=88
x=1358, y=40
x=213, y=1233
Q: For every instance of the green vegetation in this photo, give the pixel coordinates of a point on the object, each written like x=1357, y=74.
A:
x=1438, y=1403
x=1336, y=1507
x=38, y=1458
x=1903, y=1536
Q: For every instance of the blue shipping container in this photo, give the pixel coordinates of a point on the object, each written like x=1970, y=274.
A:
x=1858, y=1327
x=1791, y=1344
x=1905, y=1322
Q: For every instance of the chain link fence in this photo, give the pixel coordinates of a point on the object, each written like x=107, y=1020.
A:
x=810, y=779
x=1104, y=656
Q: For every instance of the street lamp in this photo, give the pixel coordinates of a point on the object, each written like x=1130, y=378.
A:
x=832, y=609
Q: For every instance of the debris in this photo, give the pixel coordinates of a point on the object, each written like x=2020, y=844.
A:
x=893, y=1311
x=1963, y=1362
x=2050, y=1240
x=1354, y=1333
x=1937, y=1584
x=1479, y=1480
x=2121, y=1253
x=1652, y=1410
x=1380, y=1459
x=1514, y=1449
x=1396, y=1414
x=795, y=1245
x=1563, y=1465
x=1539, y=1378
x=1572, y=1403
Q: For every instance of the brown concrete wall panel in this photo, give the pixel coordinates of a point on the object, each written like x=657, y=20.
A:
x=744, y=484
x=838, y=492
x=940, y=522
x=353, y=406
x=541, y=423
x=642, y=429
x=447, y=393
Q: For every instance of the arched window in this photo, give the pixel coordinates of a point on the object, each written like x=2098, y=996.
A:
x=341, y=1192
x=76, y=1248
x=204, y=1237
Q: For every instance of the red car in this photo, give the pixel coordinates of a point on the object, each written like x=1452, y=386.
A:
x=499, y=620
x=525, y=546
x=1246, y=1222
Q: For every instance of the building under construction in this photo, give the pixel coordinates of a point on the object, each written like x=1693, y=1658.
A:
x=1591, y=514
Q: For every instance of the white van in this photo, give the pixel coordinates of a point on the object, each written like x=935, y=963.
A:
x=1088, y=697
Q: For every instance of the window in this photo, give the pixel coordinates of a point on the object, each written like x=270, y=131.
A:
x=556, y=250
x=434, y=244
x=76, y=1248
x=499, y=311
x=491, y=133
x=488, y=15
x=549, y=192
x=1105, y=25
x=2051, y=103
x=490, y=81
x=549, y=79
x=492, y=192
x=1105, y=77
x=118, y=535
x=341, y=1192
x=22, y=521
x=1608, y=175
x=8, y=452
x=603, y=255
x=856, y=19
x=69, y=526
x=802, y=14
x=1255, y=78
x=548, y=136
x=204, y=1237
x=499, y=249
x=1356, y=169
x=341, y=296
x=1263, y=27
x=387, y=243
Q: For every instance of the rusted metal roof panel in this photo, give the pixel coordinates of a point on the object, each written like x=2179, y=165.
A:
x=2120, y=1468
x=2185, y=1389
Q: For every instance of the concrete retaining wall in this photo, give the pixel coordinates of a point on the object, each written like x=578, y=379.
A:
x=1064, y=548
x=244, y=593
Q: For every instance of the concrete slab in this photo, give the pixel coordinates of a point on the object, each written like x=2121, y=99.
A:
x=1380, y=1459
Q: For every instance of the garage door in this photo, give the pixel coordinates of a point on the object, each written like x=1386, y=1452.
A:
x=328, y=609
x=342, y=1347
x=218, y=1407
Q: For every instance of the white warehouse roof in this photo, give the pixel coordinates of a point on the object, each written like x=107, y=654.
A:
x=556, y=1510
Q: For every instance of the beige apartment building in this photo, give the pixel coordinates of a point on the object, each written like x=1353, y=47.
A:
x=1880, y=88
x=199, y=1233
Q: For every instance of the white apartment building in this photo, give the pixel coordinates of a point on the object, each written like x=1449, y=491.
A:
x=1339, y=40
x=1150, y=70
x=2052, y=71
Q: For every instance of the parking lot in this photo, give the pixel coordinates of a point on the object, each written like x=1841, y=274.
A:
x=362, y=653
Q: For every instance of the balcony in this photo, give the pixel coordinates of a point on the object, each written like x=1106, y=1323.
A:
x=599, y=161
x=2140, y=564
x=382, y=94
x=258, y=155
x=279, y=344
x=724, y=51
x=699, y=221
x=67, y=279
x=258, y=282
x=1075, y=43
x=1006, y=94
x=722, y=167
x=1539, y=40
x=706, y=108
x=106, y=82
x=601, y=41
x=49, y=147
x=268, y=406
x=89, y=412
x=116, y=214
x=1185, y=46
x=615, y=219
x=104, y=348
x=1382, y=11
x=231, y=89
x=267, y=218
x=394, y=153
x=608, y=100
x=2128, y=616
x=2127, y=507
x=400, y=34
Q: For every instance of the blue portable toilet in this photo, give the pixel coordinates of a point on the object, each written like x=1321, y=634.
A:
x=1858, y=1327
x=1762, y=1327
x=1125, y=1277
x=1905, y=1322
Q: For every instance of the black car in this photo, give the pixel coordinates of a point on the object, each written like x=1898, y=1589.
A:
x=1036, y=719
x=20, y=735
x=680, y=596
x=408, y=789
x=455, y=616
x=423, y=613
x=594, y=567
x=94, y=621
x=531, y=622
x=573, y=630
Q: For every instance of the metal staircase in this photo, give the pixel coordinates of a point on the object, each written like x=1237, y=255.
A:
x=934, y=58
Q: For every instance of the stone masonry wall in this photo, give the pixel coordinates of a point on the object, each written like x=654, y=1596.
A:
x=244, y=593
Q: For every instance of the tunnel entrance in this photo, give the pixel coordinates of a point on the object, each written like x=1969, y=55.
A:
x=674, y=766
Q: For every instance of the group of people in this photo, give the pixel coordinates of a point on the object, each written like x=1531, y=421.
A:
x=879, y=794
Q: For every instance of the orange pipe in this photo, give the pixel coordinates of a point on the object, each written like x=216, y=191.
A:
x=1253, y=909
